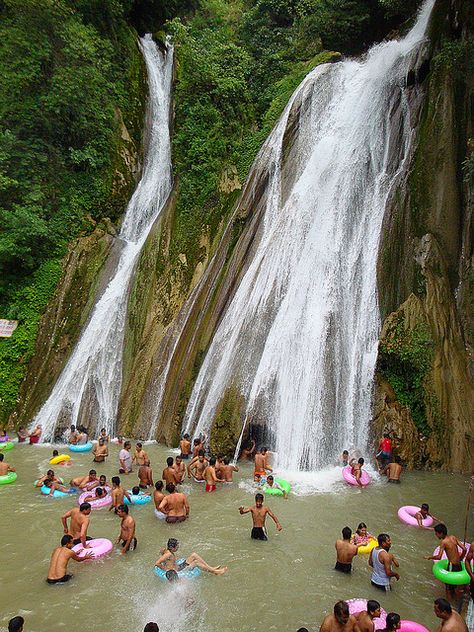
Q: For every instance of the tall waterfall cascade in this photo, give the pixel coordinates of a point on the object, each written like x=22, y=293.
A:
x=299, y=337
x=94, y=369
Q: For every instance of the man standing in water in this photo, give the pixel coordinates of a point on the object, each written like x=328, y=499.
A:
x=228, y=470
x=57, y=573
x=393, y=470
x=79, y=523
x=125, y=459
x=180, y=470
x=449, y=544
x=381, y=561
x=127, y=530
x=118, y=494
x=175, y=505
x=210, y=475
x=185, y=446
x=259, y=515
x=197, y=466
x=365, y=619
x=345, y=552
x=145, y=476
x=140, y=457
x=340, y=621
x=451, y=621
x=100, y=451
x=261, y=465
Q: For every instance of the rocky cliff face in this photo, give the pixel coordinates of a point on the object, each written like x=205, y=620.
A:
x=424, y=391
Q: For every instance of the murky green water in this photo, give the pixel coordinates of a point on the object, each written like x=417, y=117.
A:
x=281, y=584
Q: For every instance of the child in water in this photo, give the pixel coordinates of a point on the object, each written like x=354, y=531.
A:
x=362, y=537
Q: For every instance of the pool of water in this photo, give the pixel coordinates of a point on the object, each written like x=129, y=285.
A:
x=282, y=584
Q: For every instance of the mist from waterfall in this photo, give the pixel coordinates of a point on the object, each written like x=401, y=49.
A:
x=299, y=337
x=94, y=369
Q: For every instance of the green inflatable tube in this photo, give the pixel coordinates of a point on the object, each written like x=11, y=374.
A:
x=454, y=578
x=8, y=478
x=6, y=446
x=274, y=491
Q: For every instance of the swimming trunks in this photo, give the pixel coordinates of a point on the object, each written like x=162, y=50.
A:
x=133, y=544
x=198, y=480
x=181, y=566
x=78, y=540
x=454, y=568
x=61, y=580
x=34, y=440
x=393, y=480
x=257, y=473
x=210, y=488
x=344, y=568
x=384, y=588
x=175, y=519
x=258, y=533
x=184, y=456
x=143, y=486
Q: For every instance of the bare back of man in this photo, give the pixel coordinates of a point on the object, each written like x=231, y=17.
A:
x=345, y=551
x=228, y=471
x=365, y=622
x=169, y=476
x=331, y=624
x=175, y=506
x=455, y=623
x=393, y=471
x=145, y=476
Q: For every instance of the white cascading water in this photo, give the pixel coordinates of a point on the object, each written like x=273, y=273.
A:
x=96, y=361
x=299, y=338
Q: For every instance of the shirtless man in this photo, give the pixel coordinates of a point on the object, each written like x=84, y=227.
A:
x=127, y=530
x=35, y=436
x=57, y=573
x=4, y=466
x=175, y=505
x=169, y=473
x=145, y=476
x=210, y=475
x=449, y=544
x=259, y=515
x=197, y=447
x=97, y=494
x=53, y=486
x=356, y=470
x=393, y=470
x=100, y=451
x=79, y=524
x=103, y=435
x=248, y=451
x=365, y=619
x=451, y=621
x=180, y=469
x=185, y=447
x=118, y=494
x=86, y=482
x=157, y=498
x=167, y=560
x=140, y=457
x=344, y=458
x=425, y=513
x=219, y=465
x=49, y=475
x=261, y=464
x=345, y=552
x=227, y=470
x=340, y=620
x=197, y=466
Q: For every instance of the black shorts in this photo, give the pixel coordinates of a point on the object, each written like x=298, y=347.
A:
x=344, y=568
x=258, y=533
x=78, y=541
x=184, y=456
x=133, y=544
x=393, y=480
x=384, y=588
x=181, y=566
x=62, y=580
x=143, y=486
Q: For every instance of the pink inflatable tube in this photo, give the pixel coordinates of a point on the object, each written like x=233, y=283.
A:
x=346, y=473
x=412, y=626
x=98, y=546
x=444, y=557
x=407, y=515
x=358, y=605
x=95, y=504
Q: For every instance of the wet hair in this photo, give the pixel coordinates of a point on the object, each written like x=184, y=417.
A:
x=362, y=525
x=172, y=575
x=172, y=543
x=382, y=538
x=92, y=473
x=139, y=445
x=393, y=619
x=212, y=460
x=2, y=456
x=73, y=427
x=135, y=490
x=201, y=453
x=116, y=480
x=441, y=528
x=103, y=476
x=443, y=605
x=263, y=450
x=66, y=539
x=101, y=440
x=259, y=497
x=398, y=460
x=127, y=443
x=346, y=533
x=372, y=606
x=151, y=627
x=345, y=452
x=16, y=624
x=386, y=435
x=340, y=608
x=302, y=630
x=170, y=488
x=269, y=477
x=360, y=461
x=55, y=453
x=178, y=457
x=123, y=508
x=102, y=429
x=425, y=506
x=226, y=460
x=186, y=436
x=169, y=461
x=99, y=491
x=159, y=486
x=50, y=472
x=47, y=482
x=197, y=441
x=84, y=506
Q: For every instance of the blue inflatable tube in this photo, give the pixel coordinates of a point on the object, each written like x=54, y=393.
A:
x=86, y=447
x=56, y=494
x=191, y=573
x=141, y=499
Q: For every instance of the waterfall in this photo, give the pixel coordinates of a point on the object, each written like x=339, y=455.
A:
x=94, y=370
x=299, y=337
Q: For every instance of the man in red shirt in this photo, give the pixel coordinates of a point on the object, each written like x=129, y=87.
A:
x=384, y=454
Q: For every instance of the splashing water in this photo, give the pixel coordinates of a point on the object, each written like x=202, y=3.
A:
x=299, y=338
x=94, y=370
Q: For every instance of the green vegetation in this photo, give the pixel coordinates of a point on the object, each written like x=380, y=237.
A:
x=405, y=360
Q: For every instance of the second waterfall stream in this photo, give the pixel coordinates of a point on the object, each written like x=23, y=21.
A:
x=299, y=338
x=94, y=370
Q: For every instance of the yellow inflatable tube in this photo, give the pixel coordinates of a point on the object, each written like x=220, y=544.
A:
x=59, y=459
x=366, y=548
